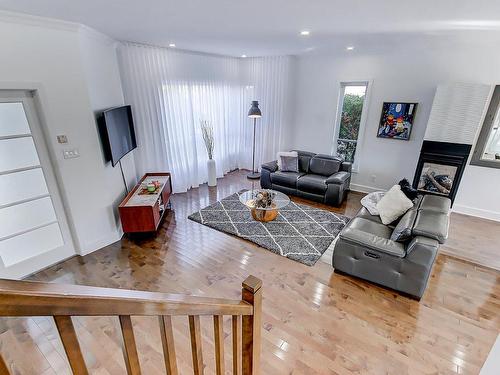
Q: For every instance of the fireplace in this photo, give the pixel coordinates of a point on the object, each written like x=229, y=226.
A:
x=440, y=168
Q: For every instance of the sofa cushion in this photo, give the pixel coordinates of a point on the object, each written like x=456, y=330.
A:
x=435, y=203
x=304, y=159
x=393, y=205
x=373, y=236
x=312, y=183
x=431, y=224
x=325, y=165
x=288, y=179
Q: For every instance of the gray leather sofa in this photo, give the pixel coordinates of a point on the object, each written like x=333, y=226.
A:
x=321, y=178
x=364, y=248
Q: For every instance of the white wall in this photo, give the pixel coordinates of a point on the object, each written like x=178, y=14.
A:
x=48, y=54
x=412, y=74
x=100, y=65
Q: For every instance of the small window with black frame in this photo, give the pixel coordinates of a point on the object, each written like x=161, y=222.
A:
x=487, y=150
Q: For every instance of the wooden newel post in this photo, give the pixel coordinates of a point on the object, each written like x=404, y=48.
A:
x=251, y=326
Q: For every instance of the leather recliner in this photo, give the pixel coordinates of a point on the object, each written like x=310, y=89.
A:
x=365, y=249
x=321, y=178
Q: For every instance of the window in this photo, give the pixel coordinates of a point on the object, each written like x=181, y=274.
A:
x=350, y=119
x=487, y=151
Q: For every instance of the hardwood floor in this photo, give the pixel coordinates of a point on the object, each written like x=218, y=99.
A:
x=474, y=239
x=314, y=321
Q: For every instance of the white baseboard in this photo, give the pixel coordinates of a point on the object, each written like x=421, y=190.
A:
x=364, y=188
x=102, y=242
x=478, y=212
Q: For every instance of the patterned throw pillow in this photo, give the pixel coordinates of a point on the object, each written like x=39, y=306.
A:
x=370, y=201
x=288, y=161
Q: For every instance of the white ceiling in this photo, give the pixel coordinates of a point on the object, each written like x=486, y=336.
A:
x=268, y=27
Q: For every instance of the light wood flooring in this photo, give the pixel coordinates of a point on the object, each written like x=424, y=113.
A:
x=314, y=321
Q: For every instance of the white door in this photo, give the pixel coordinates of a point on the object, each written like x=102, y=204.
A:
x=34, y=231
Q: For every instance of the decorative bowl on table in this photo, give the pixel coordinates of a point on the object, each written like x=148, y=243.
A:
x=264, y=204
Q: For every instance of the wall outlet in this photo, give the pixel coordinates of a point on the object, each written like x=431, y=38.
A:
x=71, y=154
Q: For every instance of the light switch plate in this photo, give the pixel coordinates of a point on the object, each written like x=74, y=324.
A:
x=71, y=154
x=62, y=139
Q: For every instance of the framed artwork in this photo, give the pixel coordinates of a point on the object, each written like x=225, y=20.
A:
x=437, y=178
x=396, y=120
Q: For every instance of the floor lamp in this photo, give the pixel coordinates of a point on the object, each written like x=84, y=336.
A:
x=254, y=113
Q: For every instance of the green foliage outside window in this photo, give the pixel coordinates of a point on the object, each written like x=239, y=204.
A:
x=351, y=116
x=349, y=125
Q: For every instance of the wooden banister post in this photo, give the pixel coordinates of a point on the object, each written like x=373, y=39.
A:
x=71, y=345
x=129, y=348
x=251, y=326
x=4, y=370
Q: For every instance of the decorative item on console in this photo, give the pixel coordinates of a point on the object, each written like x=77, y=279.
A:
x=207, y=131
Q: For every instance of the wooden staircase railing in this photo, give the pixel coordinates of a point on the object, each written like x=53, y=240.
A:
x=26, y=299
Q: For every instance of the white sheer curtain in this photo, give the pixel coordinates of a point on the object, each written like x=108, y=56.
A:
x=171, y=91
x=269, y=77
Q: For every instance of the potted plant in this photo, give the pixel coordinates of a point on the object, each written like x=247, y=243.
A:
x=207, y=131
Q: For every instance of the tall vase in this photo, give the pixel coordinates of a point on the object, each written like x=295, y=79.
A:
x=212, y=178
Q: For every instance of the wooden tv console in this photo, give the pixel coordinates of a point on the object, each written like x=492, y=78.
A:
x=142, y=211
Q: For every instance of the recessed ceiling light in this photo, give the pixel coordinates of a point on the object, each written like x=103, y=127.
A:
x=305, y=32
x=349, y=48
x=243, y=56
x=172, y=45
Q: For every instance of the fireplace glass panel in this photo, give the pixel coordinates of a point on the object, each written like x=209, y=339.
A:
x=437, y=178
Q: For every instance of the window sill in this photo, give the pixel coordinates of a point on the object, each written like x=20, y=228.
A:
x=486, y=163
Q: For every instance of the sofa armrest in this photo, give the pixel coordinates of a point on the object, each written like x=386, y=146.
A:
x=271, y=166
x=338, y=178
x=346, y=167
x=422, y=250
x=373, y=242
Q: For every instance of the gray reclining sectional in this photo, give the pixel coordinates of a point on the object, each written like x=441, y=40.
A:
x=321, y=178
x=365, y=249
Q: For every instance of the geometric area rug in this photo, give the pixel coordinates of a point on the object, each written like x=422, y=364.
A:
x=300, y=232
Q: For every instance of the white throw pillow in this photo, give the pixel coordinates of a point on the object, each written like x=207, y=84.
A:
x=292, y=154
x=393, y=205
x=370, y=201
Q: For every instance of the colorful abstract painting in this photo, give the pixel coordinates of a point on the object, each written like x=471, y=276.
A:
x=396, y=120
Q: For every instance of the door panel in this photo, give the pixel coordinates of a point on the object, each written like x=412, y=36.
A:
x=26, y=216
x=18, y=153
x=20, y=186
x=34, y=231
x=13, y=119
x=33, y=243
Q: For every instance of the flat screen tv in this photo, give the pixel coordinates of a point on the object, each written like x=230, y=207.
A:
x=116, y=128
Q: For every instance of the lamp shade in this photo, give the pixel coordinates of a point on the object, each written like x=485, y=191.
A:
x=254, y=111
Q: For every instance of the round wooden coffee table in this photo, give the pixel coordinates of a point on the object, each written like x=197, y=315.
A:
x=266, y=214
